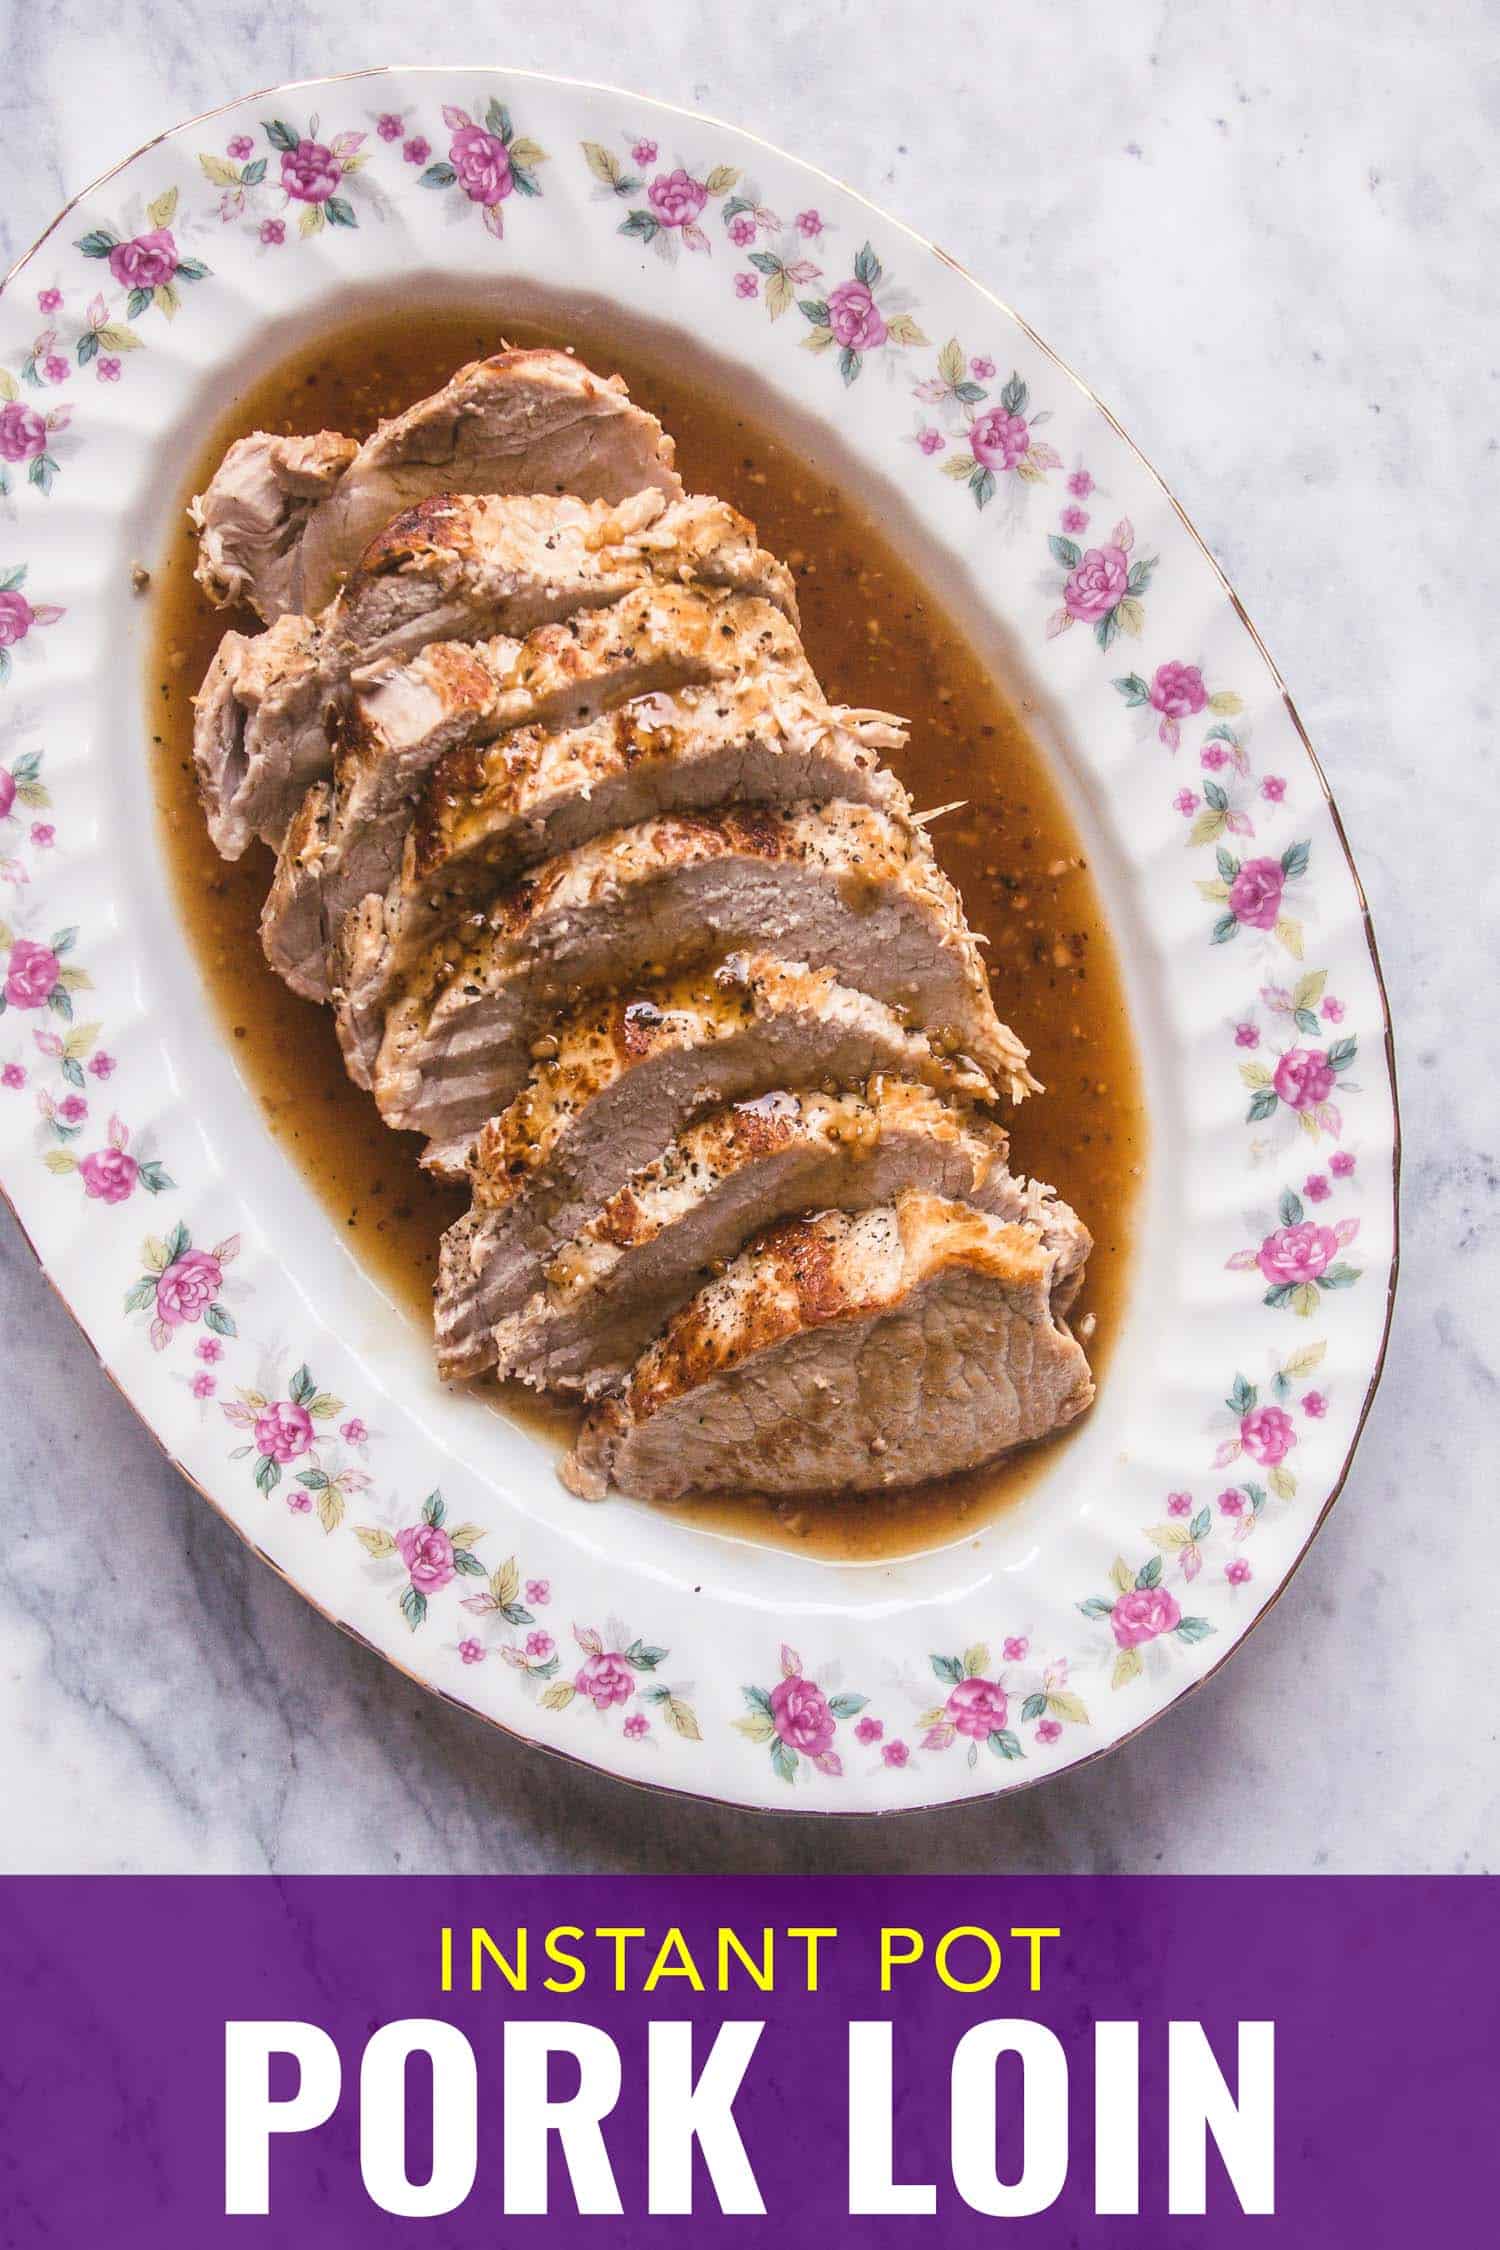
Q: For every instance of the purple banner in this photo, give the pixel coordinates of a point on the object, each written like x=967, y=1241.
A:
x=1334, y=2061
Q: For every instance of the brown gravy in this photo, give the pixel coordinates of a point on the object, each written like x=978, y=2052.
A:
x=875, y=636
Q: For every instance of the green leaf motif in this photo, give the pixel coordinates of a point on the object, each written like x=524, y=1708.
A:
x=279, y=134
x=642, y=1657
x=757, y=1699
x=1191, y=1629
x=948, y=1668
x=1200, y=1526
x=847, y=1706
x=1096, y=1606
x=642, y=223
x=1262, y=1106
x=98, y=243
x=1226, y=927
x=340, y=212
x=268, y=1473
x=1148, y=1575
x=1070, y=555
x=850, y=364
x=221, y=1322
x=434, y=1509
x=867, y=267
x=1294, y=860
x=438, y=176
x=1013, y=397
x=1035, y=1707
x=414, y=1606
x=783, y=1758
x=1004, y=1744
x=1290, y=1208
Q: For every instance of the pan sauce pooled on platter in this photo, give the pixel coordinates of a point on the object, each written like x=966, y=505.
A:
x=747, y=1357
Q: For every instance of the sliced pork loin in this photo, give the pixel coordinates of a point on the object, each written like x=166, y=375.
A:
x=284, y=519
x=627, y=1076
x=843, y=885
x=849, y=1353
x=452, y=568
x=610, y=1289
x=346, y=840
x=486, y=813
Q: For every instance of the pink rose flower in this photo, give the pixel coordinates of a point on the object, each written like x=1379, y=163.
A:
x=1144, y=1614
x=23, y=433
x=800, y=1714
x=240, y=147
x=1255, y=893
x=1303, y=1077
x=471, y=1652
x=978, y=1707
x=1247, y=1034
x=7, y=791
x=999, y=440
x=1080, y=484
x=109, y=1174
x=353, y=1432
x=1177, y=691
x=1294, y=1254
x=283, y=1432
x=49, y=300
x=73, y=1110
x=809, y=225
x=209, y=1348
x=43, y=835
x=676, y=197
x=746, y=285
x=388, y=126
x=1231, y=1503
x=204, y=1386
x=1341, y=1164
x=1048, y=1731
x=1075, y=519
x=605, y=1679
x=1267, y=1435
x=188, y=1287
x=16, y=615
x=930, y=440
x=982, y=369
x=855, y=318
x=895, y=1754
x=742, y=230
x=482, y=162
x=1332, y=1011
x=1315, y=1187
x=869, y=1730
x=1186, y=801
x=636, y=1726
x=1238, y=1571
x=644, y=152
x=416, y=150
x=1179, y=1503
x=145, y=262
x=13, y=1076
x=1315, y=1404
x=1098, y=585
x=108, y=369
x=32, y=974
x=310, y=172
x=1273, y=789
x=1015, y=1651
x=273, y=233
x=538, y=1592
x=540, y=1646
x=102, y=1065
x=427, y=1552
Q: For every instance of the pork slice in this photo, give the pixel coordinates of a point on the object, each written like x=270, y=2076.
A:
x=848, y=1353
x=284, y=519
x=452, y=568
x=486, y=813
x=843, y=885
x=656, y=1240
x=346, y=841
x=628, y=1074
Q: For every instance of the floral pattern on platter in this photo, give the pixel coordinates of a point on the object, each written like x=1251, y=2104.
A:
x=19, y=616
x=997, y=440
x=180, y=1286
x=148, y=266
x=1298, y=1257
x=310, y=178
x=1141, y=1612
x=1101, y=587
x=610, y=1678
x=487, y=163
x=798, y=1722
x=108, y=305
x=1252, y=893
x=1177, y=691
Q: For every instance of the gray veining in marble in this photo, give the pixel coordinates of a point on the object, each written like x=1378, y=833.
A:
x=1267, y=237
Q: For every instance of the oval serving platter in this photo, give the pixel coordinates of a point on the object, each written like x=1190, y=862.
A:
x=212, y=1282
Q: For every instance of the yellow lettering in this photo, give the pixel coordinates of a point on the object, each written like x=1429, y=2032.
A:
x=891, y=1959
x=620, y=1934
x=1036, y=1937
x=564, y=1958
x=764, y=1977
x=812, y=1936
x=482, y=1944
x=991, y=1945
x=664, y=1966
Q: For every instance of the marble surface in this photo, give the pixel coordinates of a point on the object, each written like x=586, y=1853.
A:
x=1266, y=237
